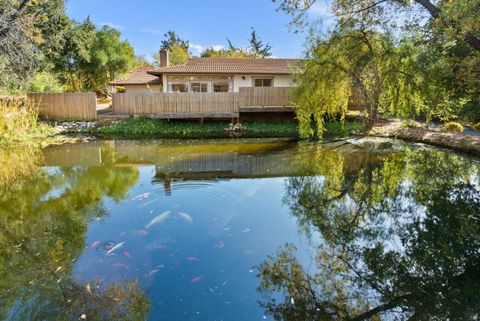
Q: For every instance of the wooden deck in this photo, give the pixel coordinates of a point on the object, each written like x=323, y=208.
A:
x=202, y=105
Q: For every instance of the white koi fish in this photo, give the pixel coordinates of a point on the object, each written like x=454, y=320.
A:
x=186, y=217
x=116, y=247
x=158, y=219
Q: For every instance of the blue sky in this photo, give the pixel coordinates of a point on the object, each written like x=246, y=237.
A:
x=203, y=22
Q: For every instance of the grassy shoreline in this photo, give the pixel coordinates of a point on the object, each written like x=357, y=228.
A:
x=153, y=128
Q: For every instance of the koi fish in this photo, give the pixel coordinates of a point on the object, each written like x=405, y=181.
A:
x=152, y=272
x=95, y=244
x=116, y=247
x=123, y=234
x=187, y=218
x=127, y=255
x=158, y=219
x=197, y=279
x=118, y=265
x=141, y=196
x=192, y=258
x=142, y=232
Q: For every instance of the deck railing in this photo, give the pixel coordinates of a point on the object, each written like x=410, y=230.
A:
x=178, y=105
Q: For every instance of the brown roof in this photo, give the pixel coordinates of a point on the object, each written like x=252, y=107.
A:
x=138, y=77
x=268, y=66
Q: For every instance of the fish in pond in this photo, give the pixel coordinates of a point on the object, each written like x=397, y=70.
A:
x=152, y=272
x=95, y=244
x=127, y=255
x=197, y=279
x=142, y=232
x=220, y=245
x=141, y=196
x=116, y=247
x=104, y=246
x=187, y=218
x=118, y=265
x=123, y=234
x=158, y=219
x=192, y=258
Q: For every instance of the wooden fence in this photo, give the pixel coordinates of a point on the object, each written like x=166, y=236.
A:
x=252, y=98
x=177, y=105
x=64, y=106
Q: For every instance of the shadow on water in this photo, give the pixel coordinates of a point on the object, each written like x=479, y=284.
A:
x=393, y=229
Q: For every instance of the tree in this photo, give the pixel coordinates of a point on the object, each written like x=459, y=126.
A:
x=390, y=249
x=257, y=48
x=172, y=39
x=30, y=32
x=92, y=58
x=348, y=60
x=177, y=47
x=69, y=62
x=437, y=51
x=230, y=52
x=110, y=57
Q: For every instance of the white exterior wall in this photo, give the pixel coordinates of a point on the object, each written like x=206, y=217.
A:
x=142, y=89
x=238, y=81
x=278, y=81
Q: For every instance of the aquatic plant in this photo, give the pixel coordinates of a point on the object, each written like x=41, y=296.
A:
x=454, y=127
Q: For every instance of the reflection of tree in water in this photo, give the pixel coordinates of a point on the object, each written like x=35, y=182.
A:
x=401, y=242
x=43, y=221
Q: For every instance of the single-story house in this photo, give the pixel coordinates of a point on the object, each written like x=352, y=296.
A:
x=210, y=75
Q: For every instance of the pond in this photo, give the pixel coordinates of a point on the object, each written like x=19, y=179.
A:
x=355, y=229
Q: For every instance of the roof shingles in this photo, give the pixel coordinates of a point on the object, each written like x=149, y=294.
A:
x=257, y=66
x=230, y=66
x=138, y=77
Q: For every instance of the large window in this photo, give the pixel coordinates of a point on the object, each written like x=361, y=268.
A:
x=220, y=87
x=178, y=88
x=262, y=82
x=199, y=87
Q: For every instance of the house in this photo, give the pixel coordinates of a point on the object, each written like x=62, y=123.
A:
x=210, y=75
x=139, y=81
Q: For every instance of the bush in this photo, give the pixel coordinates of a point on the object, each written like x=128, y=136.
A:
x=454, y=127
x=476, y=126
x=19, y=120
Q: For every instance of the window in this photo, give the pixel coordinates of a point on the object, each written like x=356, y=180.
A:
x=220, y=87
x=262, y=82
x=199, y=87
x=178, y=88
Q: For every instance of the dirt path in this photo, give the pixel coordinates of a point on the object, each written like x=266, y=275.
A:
x=464, y=143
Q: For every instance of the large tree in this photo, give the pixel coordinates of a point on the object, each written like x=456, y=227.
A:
x=30, y=33
x=178, y=49
x=399, y=240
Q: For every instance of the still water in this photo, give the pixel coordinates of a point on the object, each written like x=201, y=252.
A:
x=357, y=229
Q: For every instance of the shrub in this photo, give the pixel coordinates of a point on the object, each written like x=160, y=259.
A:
x=19, y=120
x=454, y=127
x=476, y=126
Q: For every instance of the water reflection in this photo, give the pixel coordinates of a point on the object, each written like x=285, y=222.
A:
x=370, y=230
x=43, y=220
x=400, y=241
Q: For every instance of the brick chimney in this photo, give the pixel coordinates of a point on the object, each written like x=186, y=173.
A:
x=164, y=58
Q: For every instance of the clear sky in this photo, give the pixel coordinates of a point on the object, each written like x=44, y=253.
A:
x=203, y=22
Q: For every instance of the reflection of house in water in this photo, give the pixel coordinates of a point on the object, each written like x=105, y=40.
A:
x=212, y=161
x=208, y=159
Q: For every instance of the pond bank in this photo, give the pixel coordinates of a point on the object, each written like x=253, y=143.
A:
x=463, y=143
x=138, y=128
